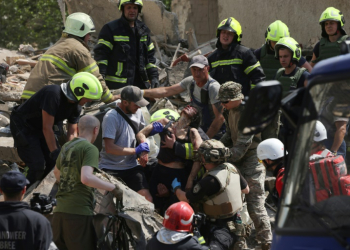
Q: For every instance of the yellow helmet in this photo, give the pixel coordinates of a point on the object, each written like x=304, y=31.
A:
x=332, y=14
x=276, y=31
x=232, y=25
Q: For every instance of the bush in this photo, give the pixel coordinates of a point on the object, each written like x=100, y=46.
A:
x=25, y=21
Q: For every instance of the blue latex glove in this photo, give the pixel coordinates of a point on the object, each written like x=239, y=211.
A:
x=175, y=184
x=157, y=128
x=143, y=147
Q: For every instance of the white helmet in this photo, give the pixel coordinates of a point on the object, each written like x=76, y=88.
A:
x=320, y=132
x=79, y=24
x=272, y=149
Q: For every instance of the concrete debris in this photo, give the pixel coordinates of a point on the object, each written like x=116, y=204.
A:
x=26, y=48
x=10, y=60
x=4, y=119
x=13, y=68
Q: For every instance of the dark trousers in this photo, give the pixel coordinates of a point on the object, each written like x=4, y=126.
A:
x=218, y=236
x=73, y=231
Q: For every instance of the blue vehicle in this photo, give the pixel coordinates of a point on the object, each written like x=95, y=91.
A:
x=302, y=223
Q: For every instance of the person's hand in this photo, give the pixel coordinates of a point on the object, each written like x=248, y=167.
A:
x=169, y=141
x=175, y=184
x=143, y=159
x=154, y=83
x=163, y=191
x=54, y=154
x=117, y=192
x=157, y=128
x=143, y=147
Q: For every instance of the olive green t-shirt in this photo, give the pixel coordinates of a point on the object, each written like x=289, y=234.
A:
x=74, y=197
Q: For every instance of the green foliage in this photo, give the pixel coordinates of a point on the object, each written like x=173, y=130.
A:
x=25, y=21
x=167, y=4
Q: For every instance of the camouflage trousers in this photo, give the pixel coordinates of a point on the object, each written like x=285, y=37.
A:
x=254, y=173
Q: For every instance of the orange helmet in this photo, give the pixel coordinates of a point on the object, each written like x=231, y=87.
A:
x=178, y=217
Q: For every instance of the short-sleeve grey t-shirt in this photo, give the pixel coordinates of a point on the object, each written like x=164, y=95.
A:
x=213, y=89
x=115, y=127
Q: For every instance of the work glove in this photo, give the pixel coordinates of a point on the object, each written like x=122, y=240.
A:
x=154, y=83
x=103, y=76
x=117, y=192
x=175, y=184
x=54, y=154
x=143, y=147
x=157, y=128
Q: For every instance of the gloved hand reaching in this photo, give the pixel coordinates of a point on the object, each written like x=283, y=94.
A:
x=157, y=128
x=175, y=184
x=143, y=147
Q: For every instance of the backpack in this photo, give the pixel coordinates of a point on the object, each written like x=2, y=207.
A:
x=330, y=177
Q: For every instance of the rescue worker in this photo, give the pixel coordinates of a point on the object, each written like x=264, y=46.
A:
x=291, y=77
x=32, y=122
x=177, y=229
x=75, y=196
x=232, y=61
x=271, y=153
x=266, y=54
x=244, y=157
x=318, y=148
x=20, y=227
x=178, y=141
x=219, y=194
x=67, y=57
x=333, y=34
x=203, y=92
x=125, y=52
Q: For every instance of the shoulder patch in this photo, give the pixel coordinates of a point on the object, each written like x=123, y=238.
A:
x=196, y=188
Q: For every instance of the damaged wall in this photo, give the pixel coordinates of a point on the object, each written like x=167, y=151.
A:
x=301, y=17
x=154, y=15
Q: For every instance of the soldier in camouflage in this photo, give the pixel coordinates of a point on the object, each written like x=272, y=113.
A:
x=244, y=157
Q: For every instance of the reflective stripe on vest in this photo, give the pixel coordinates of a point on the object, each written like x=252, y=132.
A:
x=27, y=94
x=104, y=42
x=119, y=69
x=121, y=38
x=329, y=49
x=289, y=82
x=226, y=62
x=106, y=96
x=228, y=201
x=143, y=39
x=150, y=47
x=91, y=68
x=105, y=62
x=150, y=65
x=58, y=62
x=116, y=79
x=250, y=68
x=269, y=63
x=189, y=151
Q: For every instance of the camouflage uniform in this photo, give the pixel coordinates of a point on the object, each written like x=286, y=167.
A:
x=244, y=157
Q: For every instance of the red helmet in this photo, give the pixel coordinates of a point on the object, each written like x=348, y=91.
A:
x=178, y=217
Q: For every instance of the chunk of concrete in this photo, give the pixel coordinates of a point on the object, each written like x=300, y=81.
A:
x=7, y=150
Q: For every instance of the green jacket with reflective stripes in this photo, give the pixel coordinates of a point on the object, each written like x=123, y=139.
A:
x=238, y=64
x=126, y=55
x=58, y=65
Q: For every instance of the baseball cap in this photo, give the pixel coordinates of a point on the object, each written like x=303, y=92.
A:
x=133, y=94
x=199, y=61
x=13, y=181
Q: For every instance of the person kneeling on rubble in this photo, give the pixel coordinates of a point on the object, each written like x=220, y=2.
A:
x=179, y=139
x=271, y=153
x=32, y=123
x=219, y=194
x=178, y=231
x=73, y=216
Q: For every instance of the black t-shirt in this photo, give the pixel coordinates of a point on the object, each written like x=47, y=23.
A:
x=51, y=99
x=208, y=186
x=257, y=53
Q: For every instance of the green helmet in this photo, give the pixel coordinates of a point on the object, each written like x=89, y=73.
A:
x=332, y=14
x=164, y=113
x=79, y=24
x=82, y=85
x=137, y=2
x=276, y=31
x=232, y=25
x=291, y=44
x=214, y=151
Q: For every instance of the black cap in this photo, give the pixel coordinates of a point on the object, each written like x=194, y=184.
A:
x=13, y=181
